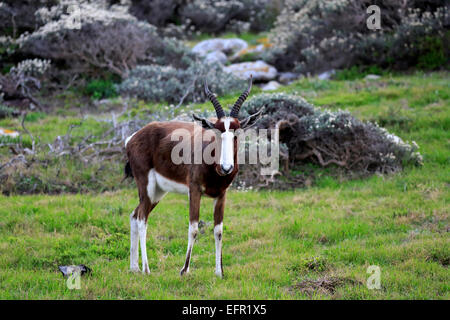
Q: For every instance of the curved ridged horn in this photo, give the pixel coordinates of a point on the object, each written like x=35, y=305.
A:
x=219, y=111
x=237, y=106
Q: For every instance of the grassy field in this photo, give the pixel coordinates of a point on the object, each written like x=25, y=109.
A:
x=277, y=245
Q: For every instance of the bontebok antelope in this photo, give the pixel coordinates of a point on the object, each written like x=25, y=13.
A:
x=149, y=152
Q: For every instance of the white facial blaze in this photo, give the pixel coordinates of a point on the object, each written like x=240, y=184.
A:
x=227, y=150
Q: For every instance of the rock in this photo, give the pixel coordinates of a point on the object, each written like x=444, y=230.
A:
x=9, y=133
x=326, y=75
x=287, y=77
x=372, y=77
x=227, y=46
x=272, y=85
x=258, y=69
x=216, y=57
x=81, y=269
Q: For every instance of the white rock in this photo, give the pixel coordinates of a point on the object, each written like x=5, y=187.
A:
x=372, y=77
x=9, y=133
x=326, y=75
x=271, y=85
x=258, y=69
x=216, y=57
x=227, y=46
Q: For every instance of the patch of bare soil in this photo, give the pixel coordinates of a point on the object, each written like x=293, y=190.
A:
x=324, y=286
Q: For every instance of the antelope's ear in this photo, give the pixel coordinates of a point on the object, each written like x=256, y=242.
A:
x=251, y=120
x=205, y=123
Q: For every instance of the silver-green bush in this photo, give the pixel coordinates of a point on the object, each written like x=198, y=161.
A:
x=167, y=83
x=216, y=16
x=316, y=35
x=332, y=137
x=209, y=16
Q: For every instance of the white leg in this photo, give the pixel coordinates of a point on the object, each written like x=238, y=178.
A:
x=142, y=226
x=192, y=235
x=134, y=244
x=218, y=231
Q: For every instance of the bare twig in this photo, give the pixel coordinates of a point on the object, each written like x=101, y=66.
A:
x=28, y=132
x=187, y=93
x=19, y=157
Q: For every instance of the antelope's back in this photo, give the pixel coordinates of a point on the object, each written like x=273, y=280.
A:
x=151, y=147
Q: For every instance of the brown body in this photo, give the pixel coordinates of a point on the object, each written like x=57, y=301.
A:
x=151, y=148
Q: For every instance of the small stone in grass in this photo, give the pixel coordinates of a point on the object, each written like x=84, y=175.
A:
x=81, y=269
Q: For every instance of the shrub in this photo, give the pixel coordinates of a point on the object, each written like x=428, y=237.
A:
x=166, y=83
x=313, y=36
x=216, y=16
x=86, y=158
x=325, y=137
x=157, y=12
x=23, y=79
x=8, y=49
x=432, y=52
x=101, y=89
x=90, y=36
x=6, y=112
x=209, y=16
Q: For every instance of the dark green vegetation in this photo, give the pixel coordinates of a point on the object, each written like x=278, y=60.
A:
x=101, y=89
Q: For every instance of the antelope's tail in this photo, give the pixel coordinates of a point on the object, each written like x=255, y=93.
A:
x=128, y=171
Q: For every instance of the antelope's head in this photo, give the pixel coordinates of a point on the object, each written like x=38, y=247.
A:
x=227, y=126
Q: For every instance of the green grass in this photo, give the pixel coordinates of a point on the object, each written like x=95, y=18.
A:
x=272, y=240
x=267, y=238
x=251, y=38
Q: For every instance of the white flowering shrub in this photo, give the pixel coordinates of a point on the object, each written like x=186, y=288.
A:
x=23, y=80
x=92, y=36
x=167, y=83
x=332, y=137
x=316, y=35
x=31, y=67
